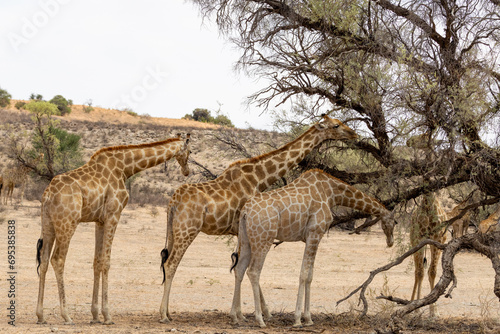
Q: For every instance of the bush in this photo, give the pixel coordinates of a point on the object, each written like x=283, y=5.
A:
x=4, y=98
x=223, y=120
x=204, y=115
x=37, y=97
x=62, y=104
x=20, y=105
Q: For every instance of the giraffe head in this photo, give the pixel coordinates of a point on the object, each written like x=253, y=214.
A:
x=183, y=155
x=387, y=222
x=334, y=129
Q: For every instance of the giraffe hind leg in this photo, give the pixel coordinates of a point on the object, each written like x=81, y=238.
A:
x=180, y=245
x=418, y=259
x=435, y=252
x=44, y=247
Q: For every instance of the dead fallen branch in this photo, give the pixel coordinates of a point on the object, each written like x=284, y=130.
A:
x=486, y=244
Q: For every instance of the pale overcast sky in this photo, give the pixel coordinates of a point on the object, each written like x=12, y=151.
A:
x=153, y=56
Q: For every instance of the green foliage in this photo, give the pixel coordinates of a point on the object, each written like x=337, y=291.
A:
x=62, y=104
x=130, y=112
x=42, y=108
x=37, y=97
x=87, y=108
x=202, y=115
x=223, y=120
x=205, y=116
x=4, y=98
x=61, y=149
x=20, y=105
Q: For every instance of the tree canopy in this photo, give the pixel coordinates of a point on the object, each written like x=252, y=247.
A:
x=426, y=72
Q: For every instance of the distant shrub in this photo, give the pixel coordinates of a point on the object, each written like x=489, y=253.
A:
x=223, y=120
x=130, y=112
x=62, y=104
x=4, y=98
x=20, y=104
x=87, y=108
x=37, y=97
x=205, y=116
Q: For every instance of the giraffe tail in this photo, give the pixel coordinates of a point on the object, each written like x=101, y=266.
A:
x=164, y=257
x=242, y=227
x=164, y=253
x=39, y=246
x=234, y=260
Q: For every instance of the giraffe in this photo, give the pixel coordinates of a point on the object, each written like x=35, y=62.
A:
x=17, y=175
x=491, y=223
x=426, y=223
x=213, y=207
x=299, y=211
x=95, y=192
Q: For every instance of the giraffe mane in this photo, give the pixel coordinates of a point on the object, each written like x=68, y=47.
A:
x=121, y=147
x=279, y=150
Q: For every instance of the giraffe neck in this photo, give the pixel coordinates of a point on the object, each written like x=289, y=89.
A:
x=133, y=159
x=343, y=194
x=268, y=168
x=495, y=215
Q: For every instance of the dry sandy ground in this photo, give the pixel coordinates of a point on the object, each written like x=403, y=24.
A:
x=202, y=290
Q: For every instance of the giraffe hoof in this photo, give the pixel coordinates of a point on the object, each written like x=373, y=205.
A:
x=69, y=323
x=165, y=320
x=95, y=321
x=308, y=323
x=108, y=322
x=298, y=325
x=41, y=322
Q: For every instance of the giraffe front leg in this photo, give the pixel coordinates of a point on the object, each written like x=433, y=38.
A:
x=98, y=265
x=109, y=233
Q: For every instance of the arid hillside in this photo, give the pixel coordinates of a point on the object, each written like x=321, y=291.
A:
x=107, y=127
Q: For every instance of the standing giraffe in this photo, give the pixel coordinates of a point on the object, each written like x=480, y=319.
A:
x=95, y=192
x=490, y=224
x=213, y=207
x=300, y=211
x=426, y=223
x=17, y=175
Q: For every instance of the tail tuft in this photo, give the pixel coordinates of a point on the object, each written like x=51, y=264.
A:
x=39, y=246
x=234, y=260
x=164, y=257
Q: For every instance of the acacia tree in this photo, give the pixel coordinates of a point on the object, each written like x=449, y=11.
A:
x=392, y=70
x=424, y=73
x=61, y=150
